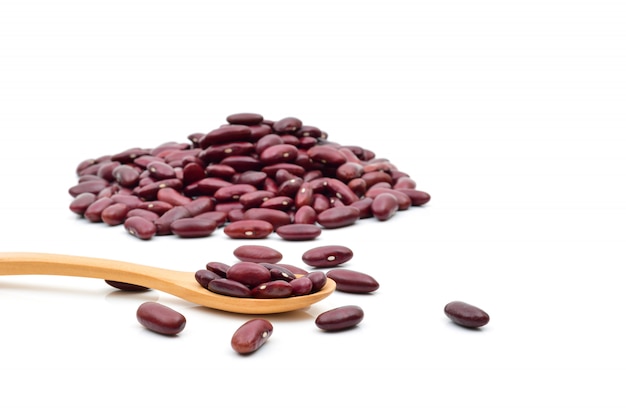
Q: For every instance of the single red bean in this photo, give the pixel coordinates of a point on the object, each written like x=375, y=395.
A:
x=326, y=155
x=172, y=196
x=298, y=232
x=272, y=289
x=127, y=156
x=140, y=227
x=114, y=214
x=80, y=203
x=267, y=141
x=278, y=272
x=244, y=118
x=160, y=170
x=191, y=227
x=340, y=318
x=230, y=133
x=301, y=286
x=160, y=318
x=348, y=171
x=294, y=269
x=220, y=268
x=384, y=206
x=418, y=198
x=318, y=278
x=126, y=175
x=204, y=276
x=220, y=171
x=290, y=187
x=216, y=153
x=404, y=202
x=230, y=288
x=282, y=203
x=192, y=172
x=92, y=186
x=305, y=215
x=287, y=125
x=340, y=216
x=309, y=131
x=272, y=170
x=258, y=131
x=249, y=229
x=254, y=178
x=219, y=217
x=257, y=253
x=278, y=153
x=132, y=201
x=341, y=191
x=125, y=286
x=233, y=192
x=255, y=199
x=147, y=214
x=275, y=217
x=253, y=334
x=199, y=205
x=327, y=256
x=158, y=207
x=249, y=274
x=404, y=183
x=353, y=281
x=365, y=207
x=465, y=314
x=242, y=163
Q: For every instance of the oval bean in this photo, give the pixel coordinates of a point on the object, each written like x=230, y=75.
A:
x=465, y=314
x=253, y=334
x=250, y=274
x=257, y=254
x=249, y=229
x=327, y=256
x=298, y=232
x=160, y=319
x=353, y=281
x=340, y=318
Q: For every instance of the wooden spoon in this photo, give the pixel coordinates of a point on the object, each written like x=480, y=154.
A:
x=178, y=283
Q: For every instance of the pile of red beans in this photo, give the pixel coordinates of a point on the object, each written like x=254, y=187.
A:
x=252, y=176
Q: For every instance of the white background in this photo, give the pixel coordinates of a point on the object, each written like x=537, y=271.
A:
x=511, y=114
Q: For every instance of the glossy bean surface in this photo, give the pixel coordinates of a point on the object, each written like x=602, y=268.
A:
x=465, y=314
x=249, y=229
x=299, y=232
x=160, y=318
x=327, y=256
x=257, y=253
x=340, y=318
x=251, y=335
x=353, y=281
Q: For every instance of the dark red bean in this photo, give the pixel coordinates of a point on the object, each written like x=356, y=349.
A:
x=114, y=214
x=267, y=141
x=287, y=125
x=418, y=198
x=305, y=215
x=244, y=119
x=192, y=227
x=125, y=286
x=204, y=276
x=278, y=272
x=160, y=170
x=404, y=202
x=172, y=196
x=301, y=286
x=294, y=269
x=249, y=229
x=220, y=171
x=92, y=186
x=318, y=279
x=281, y=203
x=80, y=203
x=242, y=163
x=353, y=281
x=278, y=153
x=365, y=207
x=254, y=178
x=199, y=205
x=349, y=171
x=299, y=232
x=219, y=217
x=384, y=206
x=233, y=192
x=158, y=207
x=230, y=133
x=340, y=318
x=140, y=227
x=132, y=201
x=465, y=314
x=327, y=256
x=160, y=319
x=253, y=334
x=272, y=289
x=340, y=216
x=249, y=274
x=230, y=288
x=257, y=253
x=326, y=155
x=275, y=217
x=255, y=199
x=219, y=268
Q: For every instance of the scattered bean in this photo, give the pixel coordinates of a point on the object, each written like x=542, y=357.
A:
x=465, y=314
x=353, y=281
x=160, y=318
x=327, y=256
x=257, y=253
x=340, y=318
x=251, y=336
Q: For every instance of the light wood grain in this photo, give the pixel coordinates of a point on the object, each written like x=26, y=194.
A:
x=178, y=283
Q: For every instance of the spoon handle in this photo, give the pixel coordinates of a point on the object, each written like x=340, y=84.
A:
x=30, y=263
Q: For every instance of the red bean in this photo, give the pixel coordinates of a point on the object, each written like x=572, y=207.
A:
x=231, y=133
x=353, y=281
x=257, y=253
x=204, y=276
x=192, y=227
x=336, y=217
x=220, y=268
x=244, y=118
x=301, y=286
x=94, y=211
x=272, y=289
x=418, y=198
x=384, y=206
x=305, y=215
x=275, y=217
x=465, y=314
x=298, y=231
x=327, y=256
x=250, y=274
x=230, y=288
x=253, y=334
x=249, y=229
x=164, y=223
x=81, y=202
x=287, y=125
x=93, y=187
x=160, y=319
x=340, y=318
x=114, y=214
x=140, y=227
x=125, y=286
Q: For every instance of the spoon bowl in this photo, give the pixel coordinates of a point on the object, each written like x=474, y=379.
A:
x=178, y=283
